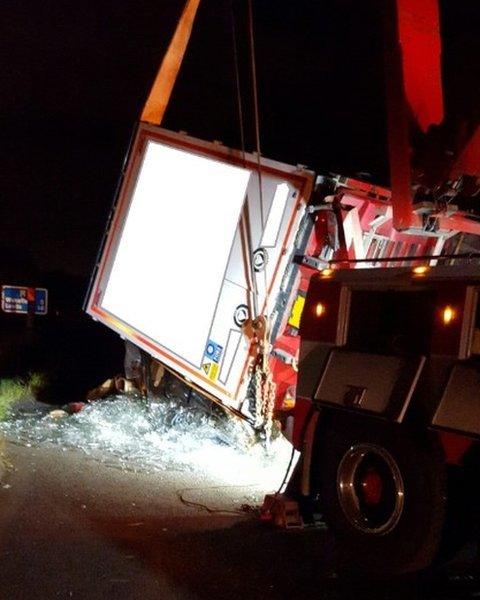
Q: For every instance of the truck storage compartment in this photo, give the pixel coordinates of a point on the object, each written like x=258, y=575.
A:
x=371, y=382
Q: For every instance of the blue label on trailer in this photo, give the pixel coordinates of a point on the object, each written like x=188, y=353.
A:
x=213, y=351
x=15, y=299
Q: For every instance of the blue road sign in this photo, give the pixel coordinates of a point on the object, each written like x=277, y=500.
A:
x=15, y=299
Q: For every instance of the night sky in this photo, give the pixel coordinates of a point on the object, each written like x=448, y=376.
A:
x=75, y=75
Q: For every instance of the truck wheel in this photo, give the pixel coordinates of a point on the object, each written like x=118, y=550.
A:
x=382, y=490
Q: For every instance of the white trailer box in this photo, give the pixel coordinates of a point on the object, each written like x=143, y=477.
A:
x=193, y=250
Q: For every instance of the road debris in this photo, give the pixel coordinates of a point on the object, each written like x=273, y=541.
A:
x=58, y=414
x=140, y=435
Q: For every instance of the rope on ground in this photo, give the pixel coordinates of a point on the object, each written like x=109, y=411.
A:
x=244, y=511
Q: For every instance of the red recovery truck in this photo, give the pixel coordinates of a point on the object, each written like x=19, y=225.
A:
x=388, y=413
x=232, y=273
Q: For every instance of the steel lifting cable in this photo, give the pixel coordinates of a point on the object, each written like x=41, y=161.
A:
x=264, y=383
x=238, y=83
x=265, y=388
x=250, y=273
x=268, y=386
x=256, y=112
x=257, y=123
x=253, y=64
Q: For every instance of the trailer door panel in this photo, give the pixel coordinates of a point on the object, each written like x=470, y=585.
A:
x=183, y=264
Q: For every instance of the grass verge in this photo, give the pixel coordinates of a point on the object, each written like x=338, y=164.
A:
x=12, y=390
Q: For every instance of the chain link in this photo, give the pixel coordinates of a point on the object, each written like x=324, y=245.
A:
x=269, y=404
x=258, y=396
x=265, y=387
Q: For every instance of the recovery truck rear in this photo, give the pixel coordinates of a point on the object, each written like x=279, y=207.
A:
x=388, y=410
x=206, y=271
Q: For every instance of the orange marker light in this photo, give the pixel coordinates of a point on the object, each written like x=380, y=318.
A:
x=448, y=315
x=326, y=272
x=320, y=309
x=421, y=270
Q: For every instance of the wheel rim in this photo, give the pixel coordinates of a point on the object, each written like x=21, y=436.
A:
x=370, y=489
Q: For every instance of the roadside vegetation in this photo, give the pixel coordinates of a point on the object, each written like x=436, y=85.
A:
x=12, y=390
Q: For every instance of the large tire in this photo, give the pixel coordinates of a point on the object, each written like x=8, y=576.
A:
x=382, y=489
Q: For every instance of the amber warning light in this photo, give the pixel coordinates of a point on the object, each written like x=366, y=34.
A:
x=448, y=315
x=420, y=270
x=326, y=273
x=319, y=309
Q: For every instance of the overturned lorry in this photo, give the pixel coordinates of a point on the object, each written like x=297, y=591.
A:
x=341, y=310
x=221, y=269
x=209, y=253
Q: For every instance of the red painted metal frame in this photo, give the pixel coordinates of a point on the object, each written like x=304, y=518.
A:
x=419, y=37
x=399, y=243
x=414, y=90
x=468, y=163
x=454, y=446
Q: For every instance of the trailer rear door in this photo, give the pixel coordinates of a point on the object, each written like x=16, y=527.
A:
x=193, y=250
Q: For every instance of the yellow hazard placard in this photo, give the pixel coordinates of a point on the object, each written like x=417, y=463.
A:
x=211, y=370
x=296, y=314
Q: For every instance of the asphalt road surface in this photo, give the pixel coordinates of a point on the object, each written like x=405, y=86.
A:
x=72, y=527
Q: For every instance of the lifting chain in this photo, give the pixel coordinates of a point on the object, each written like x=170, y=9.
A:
x=265, y=388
